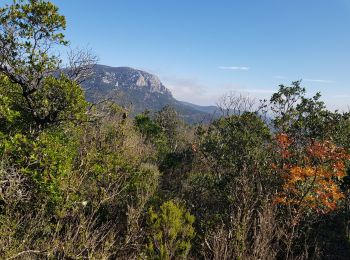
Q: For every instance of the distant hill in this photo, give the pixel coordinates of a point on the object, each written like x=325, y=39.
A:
x=141, y=91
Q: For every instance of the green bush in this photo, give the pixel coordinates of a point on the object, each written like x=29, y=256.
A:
x=170, y=232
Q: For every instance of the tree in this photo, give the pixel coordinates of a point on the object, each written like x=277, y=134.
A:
x=312, y=156
x=311, y=176
x=304, y=118
x=171, y=123
x=230, y=142
x=231, y=186
x=32, y=97
x=29, y=30
x=58, y=100
x=153, y=133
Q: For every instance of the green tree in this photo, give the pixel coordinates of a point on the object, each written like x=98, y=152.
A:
x=171, y=232
x=29, y=31
x=33, y=96
x=57, y=101
x=172, y=125
x=230, y=186
x=304, y=118
x=153, y=133
x=305, y=122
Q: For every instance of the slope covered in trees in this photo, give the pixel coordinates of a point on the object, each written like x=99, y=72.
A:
x=85, y=181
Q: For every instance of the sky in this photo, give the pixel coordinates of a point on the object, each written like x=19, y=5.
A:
x=202, y=49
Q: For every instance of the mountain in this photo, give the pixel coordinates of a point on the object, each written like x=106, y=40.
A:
x=140, y=91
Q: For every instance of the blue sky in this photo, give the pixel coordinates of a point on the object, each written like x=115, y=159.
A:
x=202, y=49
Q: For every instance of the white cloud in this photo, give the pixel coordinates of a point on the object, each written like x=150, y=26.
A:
x=319, y=80
x=233, y=68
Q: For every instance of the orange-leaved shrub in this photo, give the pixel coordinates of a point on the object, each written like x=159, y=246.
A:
x=311, y=174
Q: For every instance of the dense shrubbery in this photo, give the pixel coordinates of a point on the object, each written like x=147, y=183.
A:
x=86, y=182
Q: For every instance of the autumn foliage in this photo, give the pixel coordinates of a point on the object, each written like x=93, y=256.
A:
x=311, y=174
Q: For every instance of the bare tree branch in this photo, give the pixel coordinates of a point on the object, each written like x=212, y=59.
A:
x=80, y=65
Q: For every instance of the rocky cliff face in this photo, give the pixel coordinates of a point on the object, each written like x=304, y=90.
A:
x=137, y=90
x=110, y=78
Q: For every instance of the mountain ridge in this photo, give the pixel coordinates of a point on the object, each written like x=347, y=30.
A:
x=140, y=90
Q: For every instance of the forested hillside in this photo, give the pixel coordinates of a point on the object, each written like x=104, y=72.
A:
x=266, y=180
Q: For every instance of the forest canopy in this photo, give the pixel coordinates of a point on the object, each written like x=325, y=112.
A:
x=86, y=181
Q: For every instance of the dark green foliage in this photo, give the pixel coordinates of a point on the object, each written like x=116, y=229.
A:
x=233, y=139
x=152, y=132
x=233, y=152
x=147, y=126
x=57, y=101
x=303, y=118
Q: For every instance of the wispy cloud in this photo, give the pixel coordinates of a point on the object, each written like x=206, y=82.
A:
x=319, y=80
x=234, y=68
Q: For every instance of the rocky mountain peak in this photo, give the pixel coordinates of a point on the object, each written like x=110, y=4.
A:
x=139, y=90
x=128, y=78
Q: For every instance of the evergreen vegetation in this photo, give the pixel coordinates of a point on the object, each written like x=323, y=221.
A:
x=83, y=181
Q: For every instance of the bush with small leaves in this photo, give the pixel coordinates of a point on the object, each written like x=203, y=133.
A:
x=170, y=232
